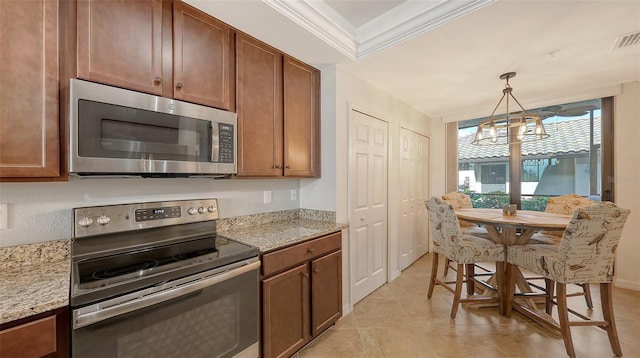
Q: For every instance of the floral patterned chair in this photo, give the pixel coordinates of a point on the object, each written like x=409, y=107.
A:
x=458, y=201
x=585, y=255
x=464, y=250
x=564, y=204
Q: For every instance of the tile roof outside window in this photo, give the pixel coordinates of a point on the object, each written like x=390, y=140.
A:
x=567, y=137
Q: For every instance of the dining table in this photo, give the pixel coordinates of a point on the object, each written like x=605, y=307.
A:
x=510, y=230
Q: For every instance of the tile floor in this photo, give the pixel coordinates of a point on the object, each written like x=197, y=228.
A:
x=398, y=320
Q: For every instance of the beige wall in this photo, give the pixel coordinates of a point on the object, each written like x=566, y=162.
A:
x=627, y=182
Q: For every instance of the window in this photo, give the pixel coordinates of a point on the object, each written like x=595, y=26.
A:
x=570, y=161
x=532, y=169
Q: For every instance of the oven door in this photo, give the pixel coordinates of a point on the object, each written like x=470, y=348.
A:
x=211, y=314
x=116, y=131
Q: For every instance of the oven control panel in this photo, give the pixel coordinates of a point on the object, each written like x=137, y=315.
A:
x=158, y=213
x=107, y=219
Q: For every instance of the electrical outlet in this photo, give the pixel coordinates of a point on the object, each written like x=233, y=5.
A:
x=267, y=196
x=294, y=194
x=4, y=215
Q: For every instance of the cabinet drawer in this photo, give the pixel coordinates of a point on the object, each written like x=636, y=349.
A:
x=281, y=259
x=33, y=339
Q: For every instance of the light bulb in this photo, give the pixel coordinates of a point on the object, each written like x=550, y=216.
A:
x=522, y=129
x=492, y=130
x=538, y=130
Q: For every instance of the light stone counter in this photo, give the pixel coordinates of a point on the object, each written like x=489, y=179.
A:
x=33, y=279
x=272, y=236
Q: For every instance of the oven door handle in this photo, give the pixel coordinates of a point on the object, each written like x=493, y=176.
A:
x=92, y=314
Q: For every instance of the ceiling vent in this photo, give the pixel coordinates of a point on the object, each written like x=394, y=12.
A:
x=627, y=40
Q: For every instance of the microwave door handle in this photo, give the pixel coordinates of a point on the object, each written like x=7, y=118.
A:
x=215, y=142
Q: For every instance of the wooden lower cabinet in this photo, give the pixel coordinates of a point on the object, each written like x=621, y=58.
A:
x=44, y=335
x=326, y=292
x=302, y=300
x=285, y=306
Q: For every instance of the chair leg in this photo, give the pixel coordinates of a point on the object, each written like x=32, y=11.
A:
x=511, y=289
x=470, y=274
x=434, y=273
x=548, y=301
x=458, y=290
x=563, y=317
x=587, y=295
x=446, y=266
x=606, y=297
x=500, y=284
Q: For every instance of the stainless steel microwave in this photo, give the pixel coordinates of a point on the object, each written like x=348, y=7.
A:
x=113, y=131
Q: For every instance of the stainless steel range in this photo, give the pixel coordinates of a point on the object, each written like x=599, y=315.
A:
x=155, y=280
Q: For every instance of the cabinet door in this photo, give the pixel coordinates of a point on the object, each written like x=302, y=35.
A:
x=120, y=43
x=259, y=107
x=201, y=61
x=29, y=126
x=326, y=291
x=301, y=119
x=285, y=300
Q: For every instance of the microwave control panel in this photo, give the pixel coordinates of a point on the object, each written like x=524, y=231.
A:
x=225, y=132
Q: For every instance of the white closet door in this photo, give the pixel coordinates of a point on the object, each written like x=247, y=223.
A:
x=368, y=158
x=414, y=179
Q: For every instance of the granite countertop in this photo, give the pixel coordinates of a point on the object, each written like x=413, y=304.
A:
x=272, y=236
x=31, y=289
x=35, y=278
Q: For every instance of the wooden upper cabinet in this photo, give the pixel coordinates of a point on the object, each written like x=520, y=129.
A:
x=278, y=105
x=201, y=61
x=120, y=43
x=259, y=107
x=301, y=119
x=29, y=119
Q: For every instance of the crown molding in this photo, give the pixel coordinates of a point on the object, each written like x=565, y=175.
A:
x=401, y=23
x=309, y=18
x=409, y=20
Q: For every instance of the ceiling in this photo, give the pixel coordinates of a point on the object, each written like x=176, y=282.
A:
x=444, y=58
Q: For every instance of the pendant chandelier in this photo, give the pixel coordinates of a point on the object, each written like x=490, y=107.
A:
x=509, y=128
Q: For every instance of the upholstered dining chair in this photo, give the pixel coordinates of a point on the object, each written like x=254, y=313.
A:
x=463, y=249
x=585, y=255
x=458, y=201
x=564, y=204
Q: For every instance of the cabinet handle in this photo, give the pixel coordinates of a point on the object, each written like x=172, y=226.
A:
x=157, y=80
x=287, y=167
x=311, y=250
x=179, y=85
x=278, y=166
x=316, y=270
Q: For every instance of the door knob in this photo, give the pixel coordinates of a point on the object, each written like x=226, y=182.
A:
x=179, y=85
